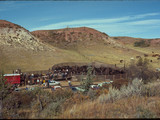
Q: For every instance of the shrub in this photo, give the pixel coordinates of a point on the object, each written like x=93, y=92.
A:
x=151, y=89
x=142, y=70
x=101, y=91
x=144, y=113
x=102, y=98
x=133, y=88
x=5, y=87
x=137, y=87
x=141, y=43
x=62, y=94
x=77, y=98
x=92, y=94
x=16, y=101
x=52, y=109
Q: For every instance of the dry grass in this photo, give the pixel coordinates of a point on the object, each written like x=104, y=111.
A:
x=130, y=106
x=123, y=108
x=29, y=61
x=136, y=100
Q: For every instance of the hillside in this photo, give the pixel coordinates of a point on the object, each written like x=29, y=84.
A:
x=20, y=49
x=18, y=37
x=94, y=45
x=72, y=37
x=130, y=40
x=40, y=50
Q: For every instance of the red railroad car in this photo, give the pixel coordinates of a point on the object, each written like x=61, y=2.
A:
x=13, y=78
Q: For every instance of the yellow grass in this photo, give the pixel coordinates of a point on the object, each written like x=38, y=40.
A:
x=124, y=108
x=31, y=61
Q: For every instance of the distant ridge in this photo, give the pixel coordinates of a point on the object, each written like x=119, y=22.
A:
x=67, y=37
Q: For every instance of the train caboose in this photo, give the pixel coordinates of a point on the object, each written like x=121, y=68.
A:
x=13, y=78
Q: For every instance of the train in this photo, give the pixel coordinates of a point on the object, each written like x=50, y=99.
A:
x=14, y=79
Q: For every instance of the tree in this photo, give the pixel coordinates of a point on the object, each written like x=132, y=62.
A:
x=142, y=70
x=141, y=43
x=146, y=63
x=4, y=91
x=88, y=81
x=140, y=62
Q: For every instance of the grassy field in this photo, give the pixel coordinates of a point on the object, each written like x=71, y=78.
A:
x=12, y=59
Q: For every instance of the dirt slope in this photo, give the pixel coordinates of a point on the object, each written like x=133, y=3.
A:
x=72, y=37
x=18, y=37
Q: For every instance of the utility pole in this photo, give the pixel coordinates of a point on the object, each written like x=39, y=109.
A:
x=124, y=65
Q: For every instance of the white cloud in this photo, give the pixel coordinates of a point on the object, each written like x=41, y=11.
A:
x=113, y=26
x=145, y=22
x=80, y=22
x=146, y=15
x=96, y=21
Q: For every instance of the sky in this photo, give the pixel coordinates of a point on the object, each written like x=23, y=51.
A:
x=134, y=18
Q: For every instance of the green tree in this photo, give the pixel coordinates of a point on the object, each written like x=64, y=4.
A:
x=88, y=81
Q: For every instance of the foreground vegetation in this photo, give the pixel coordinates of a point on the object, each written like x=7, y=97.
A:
x=139, y=97
x=136, y=100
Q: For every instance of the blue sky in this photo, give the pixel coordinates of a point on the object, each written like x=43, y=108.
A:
x=116, y=18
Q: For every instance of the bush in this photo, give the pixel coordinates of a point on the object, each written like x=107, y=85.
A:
x=144, y=113
x=77, y=98
x=137, y=87
x=52, y=109
x=92, y=94
x=151, y=89
x=142, y=70
x=102, y=98
x=62, y=94
x=125, y=91
x=16, y=101
x=141, y=43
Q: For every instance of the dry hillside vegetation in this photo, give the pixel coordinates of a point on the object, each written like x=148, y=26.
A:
x=72, y=37
x=130, y=40
x=135, y=100
x=39, y=50
x=20, y=49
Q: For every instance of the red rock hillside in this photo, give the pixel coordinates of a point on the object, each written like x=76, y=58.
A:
x=71, y=36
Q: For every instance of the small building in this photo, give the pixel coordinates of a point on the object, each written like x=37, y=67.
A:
x=13, y=78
